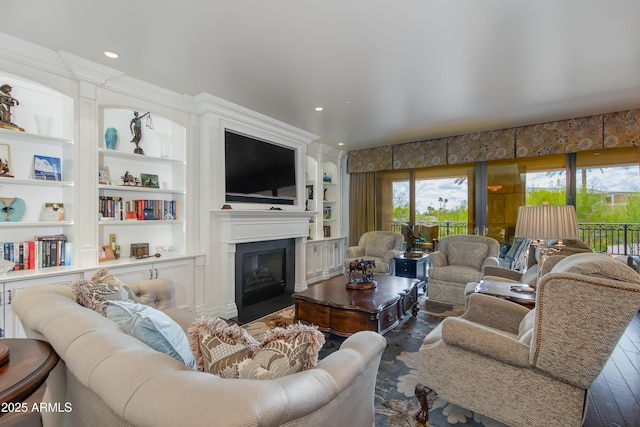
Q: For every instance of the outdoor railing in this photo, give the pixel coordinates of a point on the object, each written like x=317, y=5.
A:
x=447, y=228
x=611, y=238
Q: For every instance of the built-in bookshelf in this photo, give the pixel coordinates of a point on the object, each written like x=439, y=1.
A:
x=324, y=187
x=330, y=200
x=37, y=172
x=145, y=189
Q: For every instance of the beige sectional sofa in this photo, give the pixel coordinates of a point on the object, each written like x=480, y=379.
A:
x=112, y=379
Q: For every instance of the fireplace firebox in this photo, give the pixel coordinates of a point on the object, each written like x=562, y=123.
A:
x=265, y=275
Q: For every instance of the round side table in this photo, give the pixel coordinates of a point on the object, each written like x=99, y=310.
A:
x=29, y=363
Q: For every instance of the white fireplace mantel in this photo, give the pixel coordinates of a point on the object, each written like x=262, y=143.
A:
x=228, y=227
x=241, y=226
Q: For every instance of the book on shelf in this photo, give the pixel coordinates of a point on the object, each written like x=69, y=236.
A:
x=327, y=230
x=43, y=251
x=115, y=209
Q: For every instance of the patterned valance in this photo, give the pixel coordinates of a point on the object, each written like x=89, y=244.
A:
x=614, y=130
x=481, y=147
x=622, y=129
x=566, y=136
x=370, y=160
x=420, y=154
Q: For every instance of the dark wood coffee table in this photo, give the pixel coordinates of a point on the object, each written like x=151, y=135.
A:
x=334, y=308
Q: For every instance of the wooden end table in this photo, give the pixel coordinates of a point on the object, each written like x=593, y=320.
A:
x=341, y=311
x=414, y=267
x=27, y=368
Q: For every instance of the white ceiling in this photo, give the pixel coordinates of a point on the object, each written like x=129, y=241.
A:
x=411, y=69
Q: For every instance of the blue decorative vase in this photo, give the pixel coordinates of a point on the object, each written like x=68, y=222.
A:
x=111, y=138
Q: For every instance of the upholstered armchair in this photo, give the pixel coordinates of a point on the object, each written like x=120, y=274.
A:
x=460, y=259
x=380, y=246
x=533, y=368
x=530, y=276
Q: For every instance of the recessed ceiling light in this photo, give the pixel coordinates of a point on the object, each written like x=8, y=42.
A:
x=111, y=54
x=318, y=108
x=340, y=143
x=347, y=101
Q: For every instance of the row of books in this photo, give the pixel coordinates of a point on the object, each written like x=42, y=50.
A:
x=43, y=251
x=115, y=209
x=326, y=230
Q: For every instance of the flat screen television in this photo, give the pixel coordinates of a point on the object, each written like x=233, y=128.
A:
x=258, y=171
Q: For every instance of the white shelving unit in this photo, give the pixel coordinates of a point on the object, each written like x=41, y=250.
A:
x=52, y=140
x=313, y=194
x=65, y=117
x=326, y=247
x=168, y=164
x=330, y=201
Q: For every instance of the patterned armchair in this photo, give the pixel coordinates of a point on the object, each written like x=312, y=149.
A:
x=530, y=277
x=380, y=246
x=460, y=259
x=533, y=368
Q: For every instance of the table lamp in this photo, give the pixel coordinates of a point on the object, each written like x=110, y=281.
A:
x=545, y=222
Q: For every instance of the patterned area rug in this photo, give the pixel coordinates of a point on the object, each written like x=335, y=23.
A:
x=395, y=402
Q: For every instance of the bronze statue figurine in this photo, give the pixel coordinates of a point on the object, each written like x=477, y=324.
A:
x=6, y=102
x=136, y=129
x=366, y=268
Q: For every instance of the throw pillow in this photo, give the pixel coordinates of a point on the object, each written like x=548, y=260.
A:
x=101, y=287
x=219, y=348
x=285, y=351
x=230, y=352
x=378, y=246
x=153, y=328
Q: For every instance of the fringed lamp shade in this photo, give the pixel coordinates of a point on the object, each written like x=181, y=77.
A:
x=547, y=222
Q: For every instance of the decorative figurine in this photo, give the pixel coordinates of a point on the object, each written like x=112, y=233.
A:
x=5, y=170
x=136, y=129
x=129, y=179
x=366, y=267
x=414, y=244
x=6, y=102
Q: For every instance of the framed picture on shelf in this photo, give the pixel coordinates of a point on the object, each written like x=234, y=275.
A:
x=5, y=161
x=150, y=181
x=53, y=212
x=105, y=253
x=104, y=177
x=327, y=212
x=47, y=168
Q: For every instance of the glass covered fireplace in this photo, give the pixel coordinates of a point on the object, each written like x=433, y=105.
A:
x=264, y=277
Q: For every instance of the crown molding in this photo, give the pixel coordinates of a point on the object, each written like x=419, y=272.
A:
x=33, y=55
x=207, y=103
